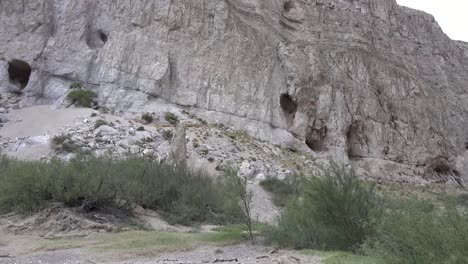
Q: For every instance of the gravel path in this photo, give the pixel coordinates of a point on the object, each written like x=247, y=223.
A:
x=245, y=254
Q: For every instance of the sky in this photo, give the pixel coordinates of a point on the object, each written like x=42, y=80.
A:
x=452, y=15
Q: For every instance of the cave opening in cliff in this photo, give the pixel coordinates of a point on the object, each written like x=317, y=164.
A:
x=288, y=105
x=316, y=139
x=19, y=73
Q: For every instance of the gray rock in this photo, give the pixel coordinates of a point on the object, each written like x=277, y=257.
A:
x=105, y=130
x=374, y=84
x=3, y=118
x=178, y=151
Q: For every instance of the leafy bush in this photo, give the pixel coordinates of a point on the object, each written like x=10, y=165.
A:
x=64, y=143
x=171, y=118
x=334, y=212
x=83, y=98
x=419, y=232
x=100, y=123
x=181, y=196
x=282, y=190
x=147, y=117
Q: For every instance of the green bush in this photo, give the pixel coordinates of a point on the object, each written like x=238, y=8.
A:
x=179, y=195
x=171, y=118
x=419, y=232
x=335, y=211
x=83, y=98
x=64, y=143
x=282, y=190
x=147, y=117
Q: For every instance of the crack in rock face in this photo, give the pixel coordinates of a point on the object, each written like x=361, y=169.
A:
x=330, y=62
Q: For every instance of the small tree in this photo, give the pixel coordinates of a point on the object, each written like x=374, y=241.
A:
x=237, y=191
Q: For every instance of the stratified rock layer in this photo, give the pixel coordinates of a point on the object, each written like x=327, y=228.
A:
x=365, y=80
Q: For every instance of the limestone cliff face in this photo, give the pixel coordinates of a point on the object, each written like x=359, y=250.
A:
x=366, y=80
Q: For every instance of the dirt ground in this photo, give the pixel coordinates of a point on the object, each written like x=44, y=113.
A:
x=17, y=249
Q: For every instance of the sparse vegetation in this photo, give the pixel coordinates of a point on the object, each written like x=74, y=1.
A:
x=100, y=123
x=417, y=231
x=81, y=97
x=237, y=191
x=146, y=140
x=171, y=118
x=335, y=211
x=64, y=143
x=282, y=190
x=179, y=195
x=147, y=118
x=141, y=128
x=76, y=85
x=167, y=135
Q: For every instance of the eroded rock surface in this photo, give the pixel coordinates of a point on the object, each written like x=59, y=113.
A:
x=367, y=81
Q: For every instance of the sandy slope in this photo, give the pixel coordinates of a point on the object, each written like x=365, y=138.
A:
x=35, y=125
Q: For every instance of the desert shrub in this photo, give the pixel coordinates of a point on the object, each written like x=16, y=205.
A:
x=282, y=190
x=141, y=128
x=241, y=198
x=181, y=196
x=335, y=211
x=83, y=98
x=64, y=143
x=416, y=231
x=147, y=117
x=167, y=135
x=100, y=123
x=76, y=85
x=462, y=199
x=171, y=118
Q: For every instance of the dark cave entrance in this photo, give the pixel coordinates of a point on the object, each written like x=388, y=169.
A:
x=289, y=107
x=19, y=73
x=102, y=36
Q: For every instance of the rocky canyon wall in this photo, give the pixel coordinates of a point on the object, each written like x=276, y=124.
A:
x=368, y=81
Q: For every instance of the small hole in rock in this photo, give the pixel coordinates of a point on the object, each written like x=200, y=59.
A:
x=102, y=36
x=288, y=6
x=19, y=73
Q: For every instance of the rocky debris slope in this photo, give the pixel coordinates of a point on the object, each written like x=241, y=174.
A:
x=368, y=81
x=41, y=132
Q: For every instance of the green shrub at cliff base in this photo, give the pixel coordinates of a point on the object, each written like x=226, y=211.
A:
x=416, y=232
x=335, y=211
x=181, y=196
x=82, y=98
x=283, y=190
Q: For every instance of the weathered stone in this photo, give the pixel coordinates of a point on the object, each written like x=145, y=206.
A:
x=366, y=81
x=105, y=131
x=178, y=152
